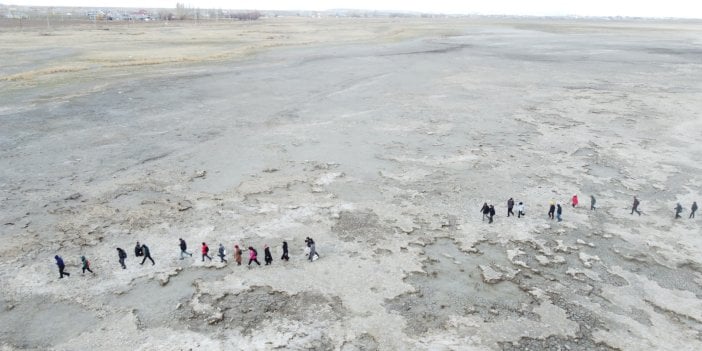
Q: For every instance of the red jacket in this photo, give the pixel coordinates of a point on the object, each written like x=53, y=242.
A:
x=575, y=200
x=205, y=249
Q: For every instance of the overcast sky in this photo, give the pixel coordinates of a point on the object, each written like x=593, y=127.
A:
x=644, y=8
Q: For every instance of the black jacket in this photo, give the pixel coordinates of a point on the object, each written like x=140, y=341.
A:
x=121, y=253
x=183, y=245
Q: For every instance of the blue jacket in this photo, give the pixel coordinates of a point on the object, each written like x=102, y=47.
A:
x=59, y=262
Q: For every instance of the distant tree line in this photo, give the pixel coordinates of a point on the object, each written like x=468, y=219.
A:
x=183, y=12
x=246, y=16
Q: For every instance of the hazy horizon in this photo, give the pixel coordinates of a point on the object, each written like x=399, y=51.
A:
x=595, y=8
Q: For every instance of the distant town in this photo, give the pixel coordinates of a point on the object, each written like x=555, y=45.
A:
x=13, y=17
x=180, y=12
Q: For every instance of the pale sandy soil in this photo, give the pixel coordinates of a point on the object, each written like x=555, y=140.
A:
x=378, y=138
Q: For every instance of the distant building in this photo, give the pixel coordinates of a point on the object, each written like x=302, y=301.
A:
x=95, y=14
x=142, y=15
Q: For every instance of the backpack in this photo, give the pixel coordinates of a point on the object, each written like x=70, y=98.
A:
x=207, y=249
x=254, y=251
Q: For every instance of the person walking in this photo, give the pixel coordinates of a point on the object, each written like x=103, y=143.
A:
x=222, y=253
x=492, y=212
x=147, y=254
x=285, y=256
x=122, y=256
x=205, y=252
x=313, y=250
x=61, y=267
x=693, y=209
x=253, y=256
x=510, y=206
x=678, y=210
x=635, y=206
x=267, y=254
x=86, y=265
x=520, y=210
x=551, y=210
x=183, y=248
x=559, y=212
x=138, y=250
x=592, y=202
x=574, y=200
x=485, y=210
x=237, y=255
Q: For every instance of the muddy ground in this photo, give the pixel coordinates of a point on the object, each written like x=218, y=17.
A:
x=380, y=139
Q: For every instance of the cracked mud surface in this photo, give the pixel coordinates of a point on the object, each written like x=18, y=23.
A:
x=380, y=140
x=249, y=309
x=451, y=284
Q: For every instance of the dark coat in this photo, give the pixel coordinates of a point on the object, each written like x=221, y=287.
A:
x=146, y=250
x=285, y=251
x=183, y=245
x=59, y=262
x=121, y=253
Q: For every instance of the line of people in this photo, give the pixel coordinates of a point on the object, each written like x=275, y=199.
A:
x=555, y=211
x=678, y=209
x=141, y=250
